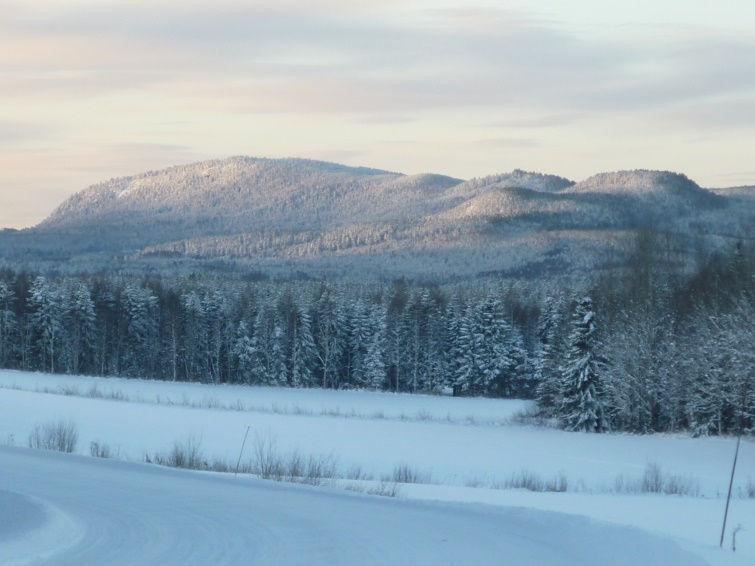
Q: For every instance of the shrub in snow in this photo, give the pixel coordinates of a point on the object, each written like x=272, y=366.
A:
x=269, y=463
x=185, y=454
x=655, y=480
x=99, y=449
x=531, y=481
x=403, y=473
x=58, y=435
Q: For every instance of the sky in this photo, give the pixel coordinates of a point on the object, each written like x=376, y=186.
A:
x=95, y=89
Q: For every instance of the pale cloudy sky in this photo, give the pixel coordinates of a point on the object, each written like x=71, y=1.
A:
x=91, y=89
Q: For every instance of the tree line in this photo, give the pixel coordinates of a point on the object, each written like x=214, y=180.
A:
x=644, y=350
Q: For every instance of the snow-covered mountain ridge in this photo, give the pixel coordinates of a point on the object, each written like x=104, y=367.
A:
x=314, y=216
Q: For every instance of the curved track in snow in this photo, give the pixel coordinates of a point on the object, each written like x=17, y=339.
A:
x=125, y=513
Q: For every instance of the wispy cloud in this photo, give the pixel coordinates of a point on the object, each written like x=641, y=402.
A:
x=195, y=78
x=304, y=58
x=509, y=142
x=16, y=134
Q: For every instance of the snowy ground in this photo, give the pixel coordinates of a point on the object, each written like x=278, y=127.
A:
x=353, y=404
x=121, y=513
x=455, y=443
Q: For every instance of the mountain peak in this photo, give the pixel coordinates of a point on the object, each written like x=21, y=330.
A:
x=223, y=186
x=638, y=181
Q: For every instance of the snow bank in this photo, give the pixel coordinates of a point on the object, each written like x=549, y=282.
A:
x=31, y=531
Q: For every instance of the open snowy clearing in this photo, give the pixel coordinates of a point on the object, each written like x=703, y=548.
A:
x=131, y=513
x=353, y=404
x=452, y=455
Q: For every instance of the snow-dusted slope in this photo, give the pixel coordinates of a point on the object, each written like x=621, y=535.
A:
x=638, y=182
x=514, y=203
x=673, y=192
x=139, y=514
x=228, y=196
x=245, y=194
x=284, y=215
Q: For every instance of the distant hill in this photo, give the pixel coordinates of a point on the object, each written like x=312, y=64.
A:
x=286, y=216
x=743, y=192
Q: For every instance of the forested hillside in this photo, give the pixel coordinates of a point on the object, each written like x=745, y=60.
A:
x=285, y=217
x=646, y=350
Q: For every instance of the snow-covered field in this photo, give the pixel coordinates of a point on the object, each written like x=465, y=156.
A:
x=353, y=404
x=461, y=447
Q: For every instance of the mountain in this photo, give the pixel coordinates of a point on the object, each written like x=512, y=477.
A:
x=295, y=215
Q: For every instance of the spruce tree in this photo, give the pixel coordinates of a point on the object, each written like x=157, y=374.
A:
x=46, y=318
x=7, y=324
x=80, y=325
x=268, y=343
x=547, y=376
x=327, y=333
x=374, y=361
x=492, y=349
x=304, y=351
x=581, y=408
x=140, y=353
x=359, y=335
x=243, y=353
x=462, y=350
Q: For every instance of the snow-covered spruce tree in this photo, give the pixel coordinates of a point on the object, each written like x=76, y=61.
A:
x=269, y=367
x=140, y=352
x=452, y=350
x=216, y=322
x=243, y=353
x=396, y=354
x=462, y=362
x=171, y=316
x=415, y=323
x=79, y=321
x=374, y=361
x=521, y=382
x=359, y=337
x=7, y=324
x=581, y=407
x=547, y=375
x=195, y=335
x=438, y=344
x=304, y=350
x=46, y=321
x=327, y=324
x=492, y=347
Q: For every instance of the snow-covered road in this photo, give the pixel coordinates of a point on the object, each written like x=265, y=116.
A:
x=112, y=512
